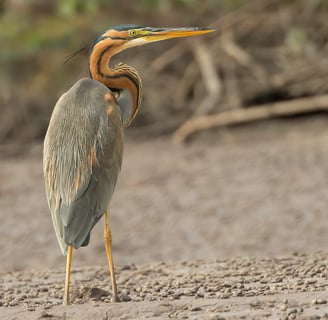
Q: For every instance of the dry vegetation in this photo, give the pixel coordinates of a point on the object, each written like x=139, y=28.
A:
x=264, y=52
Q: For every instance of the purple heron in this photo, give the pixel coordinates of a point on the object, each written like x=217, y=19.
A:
x=83, y=147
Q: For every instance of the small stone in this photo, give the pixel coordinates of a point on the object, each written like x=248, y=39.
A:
x=310, y=281
x=292, y=311
x=195, y=308
x=214, y=317
x=96, y=294
x=49, y=306
x=321, y=301
x=125, y=298
x=45, y=315
x=283, y=307
x=239, y=293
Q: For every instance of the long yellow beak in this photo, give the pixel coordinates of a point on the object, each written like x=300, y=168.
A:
x=139, y=36
x=158, y=34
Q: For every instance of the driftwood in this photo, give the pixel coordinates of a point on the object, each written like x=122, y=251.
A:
x=261, y=112
x=265, y=60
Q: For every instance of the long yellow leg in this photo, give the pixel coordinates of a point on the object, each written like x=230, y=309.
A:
x=108, y=243
x=68, y=275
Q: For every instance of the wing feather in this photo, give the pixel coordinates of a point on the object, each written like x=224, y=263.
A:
x=82, y=159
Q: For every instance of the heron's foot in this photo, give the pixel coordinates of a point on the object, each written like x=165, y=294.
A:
x=116, y=298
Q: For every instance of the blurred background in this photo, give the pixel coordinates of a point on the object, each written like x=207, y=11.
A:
x=246, y=104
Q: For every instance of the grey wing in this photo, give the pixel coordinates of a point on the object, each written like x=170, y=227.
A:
x=82, y=159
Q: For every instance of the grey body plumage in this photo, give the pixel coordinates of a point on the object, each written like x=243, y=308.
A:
x=82, y=160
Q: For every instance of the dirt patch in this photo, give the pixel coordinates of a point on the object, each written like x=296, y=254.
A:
x=277, y=288
x=255, y=191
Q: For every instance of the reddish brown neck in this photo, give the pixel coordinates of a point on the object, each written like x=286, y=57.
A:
x=122, y=77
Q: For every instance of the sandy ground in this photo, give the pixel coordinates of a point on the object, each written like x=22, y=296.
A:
x=286, y=288
x=238, y=216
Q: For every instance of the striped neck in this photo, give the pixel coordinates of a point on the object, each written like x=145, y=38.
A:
x=120, y=78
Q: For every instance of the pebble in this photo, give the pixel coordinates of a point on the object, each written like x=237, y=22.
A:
x=292, y=311
x=319, y=301
x=195, y=308
x=125, y=298
x=215, y=317
x=283, y=307
x=45, y=314
x=219, y=282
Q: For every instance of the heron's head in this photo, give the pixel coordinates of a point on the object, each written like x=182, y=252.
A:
x=127, y=36
x=123, y=77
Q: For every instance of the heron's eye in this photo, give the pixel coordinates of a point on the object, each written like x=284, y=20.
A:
x=133, y=33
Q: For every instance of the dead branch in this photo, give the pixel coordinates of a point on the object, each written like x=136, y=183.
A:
x=251, y=61
x=210, y=77
x=168, y=57
x=186, y=83
x=241, y=56
x=260, y=112
x=224, y=22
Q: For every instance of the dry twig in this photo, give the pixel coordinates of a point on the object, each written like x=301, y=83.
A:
x=296, y=106
x=210, y=77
